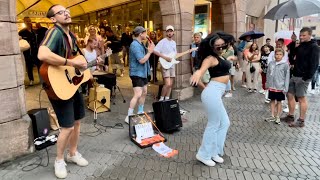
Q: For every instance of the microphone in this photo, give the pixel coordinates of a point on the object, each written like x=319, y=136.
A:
x=150, y=41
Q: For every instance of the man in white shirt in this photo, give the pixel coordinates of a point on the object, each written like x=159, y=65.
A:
x=163, y=48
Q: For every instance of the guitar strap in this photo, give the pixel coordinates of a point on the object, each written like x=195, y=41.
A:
x=79, y=50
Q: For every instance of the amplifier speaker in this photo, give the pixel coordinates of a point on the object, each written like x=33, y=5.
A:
x=40, y=122
x=101, y=99
x=167, y=115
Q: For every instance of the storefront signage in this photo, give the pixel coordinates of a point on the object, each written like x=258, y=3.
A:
x=32, y=13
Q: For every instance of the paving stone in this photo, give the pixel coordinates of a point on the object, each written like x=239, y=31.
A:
x=265, y=177
x=166, y=176
x=222, y=173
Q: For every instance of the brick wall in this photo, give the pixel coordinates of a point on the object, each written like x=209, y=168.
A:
x=15, y=126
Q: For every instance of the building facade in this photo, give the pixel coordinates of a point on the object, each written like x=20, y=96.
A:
x=230, y=16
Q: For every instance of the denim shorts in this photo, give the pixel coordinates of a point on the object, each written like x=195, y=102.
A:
x=68, y=111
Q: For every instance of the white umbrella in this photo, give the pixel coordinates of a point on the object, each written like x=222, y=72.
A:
x=293, y=9
x=285, y=34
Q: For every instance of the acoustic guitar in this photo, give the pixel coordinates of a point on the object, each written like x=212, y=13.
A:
x=167, y=65
x=62, y=82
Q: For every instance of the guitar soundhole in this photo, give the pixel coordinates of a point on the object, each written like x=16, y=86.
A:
x=77, y=80
x=77, y=71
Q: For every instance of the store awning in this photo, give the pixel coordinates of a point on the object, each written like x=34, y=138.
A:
x=38, y=8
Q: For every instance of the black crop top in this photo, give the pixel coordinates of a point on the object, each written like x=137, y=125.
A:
x=222, y=69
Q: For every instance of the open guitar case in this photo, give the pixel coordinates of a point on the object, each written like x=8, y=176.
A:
x=139, y=119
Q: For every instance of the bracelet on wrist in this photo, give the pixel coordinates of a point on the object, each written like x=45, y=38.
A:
x=65, y=63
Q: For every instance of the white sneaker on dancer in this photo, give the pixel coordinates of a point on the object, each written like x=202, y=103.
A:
x=228, y=95
x=217, y=159
x=208, y=162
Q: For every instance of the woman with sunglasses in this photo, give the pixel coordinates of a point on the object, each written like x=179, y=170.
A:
x=210, y=51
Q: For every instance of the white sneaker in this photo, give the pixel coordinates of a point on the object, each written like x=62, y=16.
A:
x=60, y=169
x=217, y=159
x=286, y=110
x=277, y=121
x=228, y=95
x=78, y=159
x=267, y=101
x=126, y=120
x=243, y=85
x=262, y=91
x=271, y=119
x=209, y=162
x=312, y=91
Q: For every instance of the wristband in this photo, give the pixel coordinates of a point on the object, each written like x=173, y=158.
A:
x=65, y=63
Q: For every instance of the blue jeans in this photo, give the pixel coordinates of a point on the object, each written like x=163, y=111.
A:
x=218, y=121
x=228, y=88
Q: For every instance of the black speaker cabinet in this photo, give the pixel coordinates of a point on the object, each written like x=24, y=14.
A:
x=167, y=115
x=40, y=122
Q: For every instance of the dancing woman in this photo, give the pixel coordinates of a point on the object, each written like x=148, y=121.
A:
x=211, y=50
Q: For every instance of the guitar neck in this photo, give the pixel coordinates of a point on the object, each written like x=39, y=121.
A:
x=91, y=64
x=182, y=54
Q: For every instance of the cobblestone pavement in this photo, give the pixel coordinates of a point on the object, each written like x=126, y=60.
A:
x=255, y=149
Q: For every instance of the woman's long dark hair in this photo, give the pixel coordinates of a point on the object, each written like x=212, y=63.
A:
x=206, y=46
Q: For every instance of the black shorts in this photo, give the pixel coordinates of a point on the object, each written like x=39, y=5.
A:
x=279, y=96
x=138, y=81
x=68, y=111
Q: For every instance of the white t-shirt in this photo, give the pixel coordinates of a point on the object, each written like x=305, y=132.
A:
x=90, y=56
x=166, y=47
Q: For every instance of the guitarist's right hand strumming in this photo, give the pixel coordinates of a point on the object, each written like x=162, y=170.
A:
x=169, y=59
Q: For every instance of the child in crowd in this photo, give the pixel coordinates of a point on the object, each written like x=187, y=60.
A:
x=278, y=75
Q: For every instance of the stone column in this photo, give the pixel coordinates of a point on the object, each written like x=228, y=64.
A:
x=179, y=14
x=15, y=125
x=217, y=17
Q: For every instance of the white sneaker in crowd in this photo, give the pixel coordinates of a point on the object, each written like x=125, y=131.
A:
x=286, y=110
x=209, y=162
x=262, y=91
x=60, y=169
x=277, y=121
x=217, y=159
x=312, y=91
x=228, y=95
x=267, y=101
x=77, y=159
x=126, y=120
x=271, y=119
x=243, y=85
